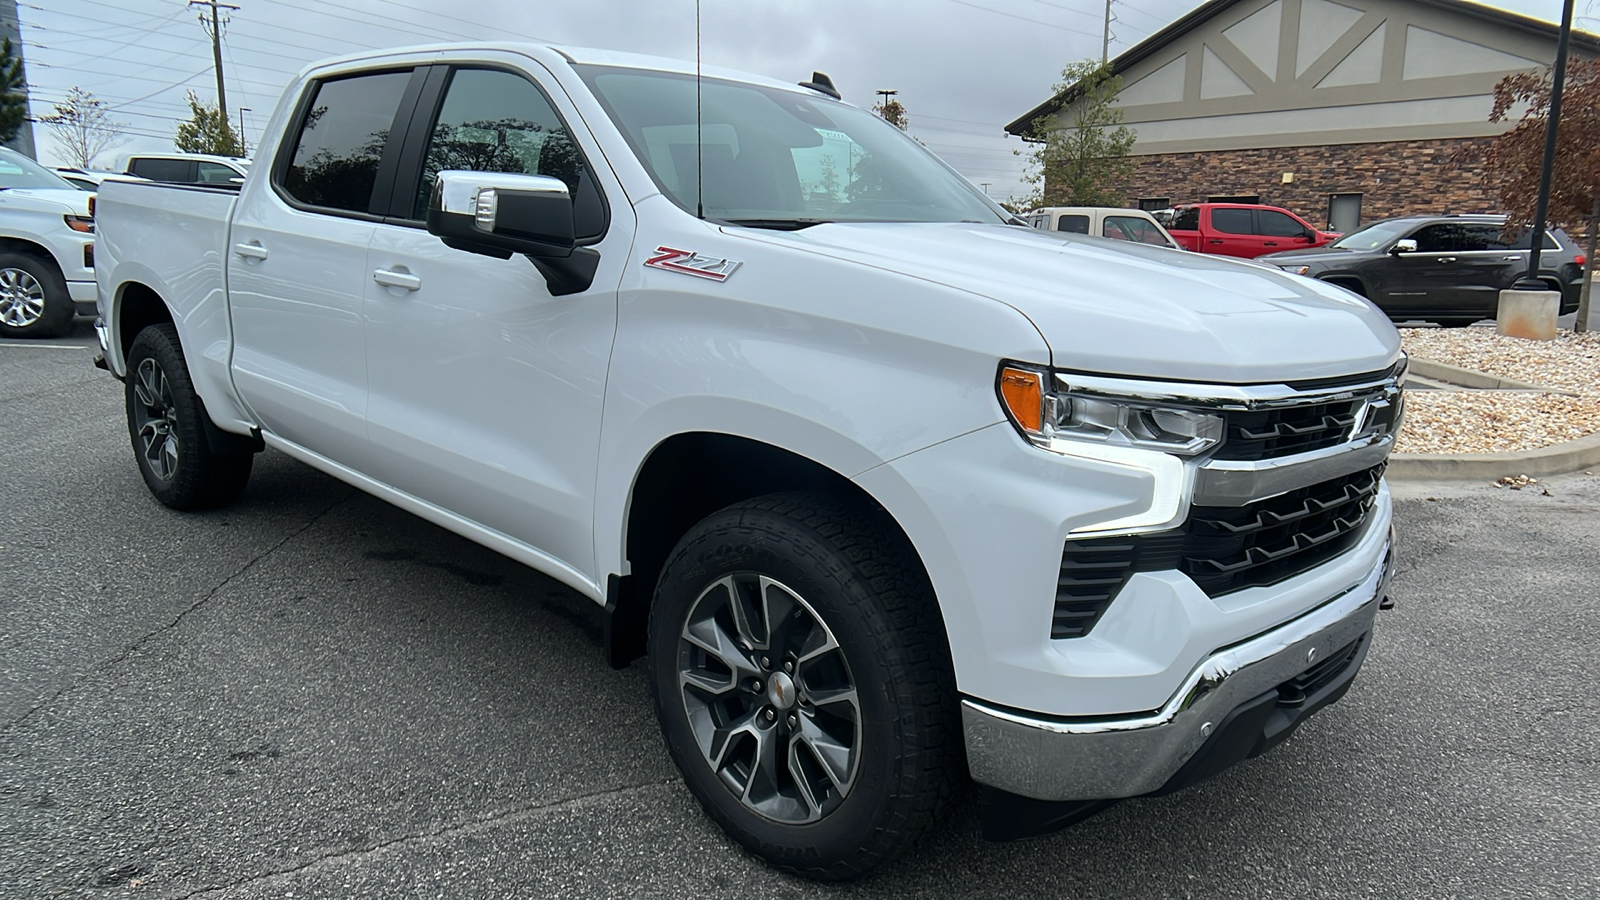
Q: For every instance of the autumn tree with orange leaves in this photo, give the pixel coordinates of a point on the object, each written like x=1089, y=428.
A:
x=1513, y=160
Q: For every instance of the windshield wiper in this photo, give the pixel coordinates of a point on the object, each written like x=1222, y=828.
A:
x=779, y=224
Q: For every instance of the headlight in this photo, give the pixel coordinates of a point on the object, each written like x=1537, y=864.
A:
x=1044, y=414
x=81, y=224
x=1296, y=270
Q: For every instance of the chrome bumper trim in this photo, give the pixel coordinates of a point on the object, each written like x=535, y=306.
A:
x=1055, y=759
x=1236, y=483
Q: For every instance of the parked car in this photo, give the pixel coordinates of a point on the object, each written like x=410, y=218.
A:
x=189, y=168
x=886, y=490
x=46, y=249
x=1116, y=223
x=1444, y=269
x=1244, y=230
x=86, y=179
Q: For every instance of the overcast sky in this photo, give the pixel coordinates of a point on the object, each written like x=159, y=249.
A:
x=963, y=67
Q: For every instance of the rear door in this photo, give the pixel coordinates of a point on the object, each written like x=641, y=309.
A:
x=1232, y=232
x=1490, y=263
x=297, y=275
x=486, y=390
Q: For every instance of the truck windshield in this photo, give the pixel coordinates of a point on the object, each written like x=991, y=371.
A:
x=777, y=158
x=18, y=171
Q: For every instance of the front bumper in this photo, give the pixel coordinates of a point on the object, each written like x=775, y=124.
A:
x=83, y=296
x=1077, y=759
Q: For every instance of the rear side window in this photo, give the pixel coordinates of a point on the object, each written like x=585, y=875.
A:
x=1276, y=224
x=341, y=141
x=1186, y=219
x=1074, y=224
x=180, y=171
x=1232, y=221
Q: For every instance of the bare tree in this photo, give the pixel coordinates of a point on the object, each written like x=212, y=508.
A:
x=1513, y=160
x=83, y=126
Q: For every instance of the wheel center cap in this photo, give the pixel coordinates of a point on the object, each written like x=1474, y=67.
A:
x=781, y=691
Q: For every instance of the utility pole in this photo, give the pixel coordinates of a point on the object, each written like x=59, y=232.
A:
x=215, y=30
x=1105, y=40
x=886, y=95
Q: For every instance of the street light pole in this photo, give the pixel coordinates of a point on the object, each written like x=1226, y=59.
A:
x=1530, y=281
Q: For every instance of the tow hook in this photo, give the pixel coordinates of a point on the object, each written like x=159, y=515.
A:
x=1386, y=603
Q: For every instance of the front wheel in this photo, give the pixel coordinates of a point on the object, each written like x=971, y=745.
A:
x=803, y=683
x=166, y=421
x=34, y=301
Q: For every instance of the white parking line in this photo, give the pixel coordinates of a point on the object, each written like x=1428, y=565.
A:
x=44, y=346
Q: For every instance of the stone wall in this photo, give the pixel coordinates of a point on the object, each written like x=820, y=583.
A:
x=1393, y=179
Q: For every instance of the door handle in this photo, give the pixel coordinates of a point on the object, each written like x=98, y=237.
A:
x=1512, y=258
x=1214, y=241
x=252, y=250
x=1269, y=243
x=1445, y=259
x=393, y=279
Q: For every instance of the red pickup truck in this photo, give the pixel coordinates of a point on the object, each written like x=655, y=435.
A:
x=1243, y=229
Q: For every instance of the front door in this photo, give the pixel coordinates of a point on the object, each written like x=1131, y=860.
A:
x=1433, y=281
x=486, y=390
x=297, y=274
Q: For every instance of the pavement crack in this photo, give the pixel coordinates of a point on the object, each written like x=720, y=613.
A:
x=177, y=620
x=475, y=823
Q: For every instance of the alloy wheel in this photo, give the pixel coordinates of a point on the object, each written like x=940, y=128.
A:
x=770, y=698
x=155, y=419
x=21, y=298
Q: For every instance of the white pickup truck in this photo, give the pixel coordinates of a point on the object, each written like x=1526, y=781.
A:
x=891, y=490
x=46, y=250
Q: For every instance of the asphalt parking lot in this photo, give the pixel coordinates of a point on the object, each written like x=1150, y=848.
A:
x=312, y=694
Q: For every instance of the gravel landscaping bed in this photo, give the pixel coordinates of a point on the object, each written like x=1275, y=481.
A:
x=1502, y=421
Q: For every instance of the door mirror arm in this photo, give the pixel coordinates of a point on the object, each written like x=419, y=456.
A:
x=498, y=214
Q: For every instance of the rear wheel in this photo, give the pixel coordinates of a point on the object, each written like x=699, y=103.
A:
x=34, y=301
x=166, y=421
x=803, y=683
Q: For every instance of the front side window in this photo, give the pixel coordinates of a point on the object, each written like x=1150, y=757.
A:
x=1133, y=228
x=1445, y=237
x=1074, y=224
x=341, y=140
x=1232, y=221
x=778, y=158
x=1276, y=224
x=214, y=173
x=495, y=121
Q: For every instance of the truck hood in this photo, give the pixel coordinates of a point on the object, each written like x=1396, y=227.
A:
x=71, y=200
x=1115, y=307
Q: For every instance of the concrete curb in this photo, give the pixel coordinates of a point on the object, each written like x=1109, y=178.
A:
x=1456, y=375
x=1557, y=459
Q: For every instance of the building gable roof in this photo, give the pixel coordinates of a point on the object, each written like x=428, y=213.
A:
x=1023, y=126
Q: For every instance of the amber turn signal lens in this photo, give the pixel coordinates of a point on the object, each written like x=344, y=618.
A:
x=1023, y=393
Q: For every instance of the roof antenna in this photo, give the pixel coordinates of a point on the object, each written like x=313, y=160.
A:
x=822, y=84
x=699, y=140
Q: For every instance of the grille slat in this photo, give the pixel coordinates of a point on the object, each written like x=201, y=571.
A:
x=1222, y=549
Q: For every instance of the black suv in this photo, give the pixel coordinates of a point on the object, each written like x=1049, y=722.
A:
x=1445, y=269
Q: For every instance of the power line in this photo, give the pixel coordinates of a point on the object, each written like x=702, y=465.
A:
x=1023, y=18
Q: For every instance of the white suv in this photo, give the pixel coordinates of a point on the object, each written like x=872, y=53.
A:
x=46, y=249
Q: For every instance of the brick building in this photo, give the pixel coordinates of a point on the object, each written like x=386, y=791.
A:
x=1344, y=112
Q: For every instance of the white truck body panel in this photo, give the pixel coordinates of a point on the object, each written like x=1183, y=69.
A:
x=461, y=388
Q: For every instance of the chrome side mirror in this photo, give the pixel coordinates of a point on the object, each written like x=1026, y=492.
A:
x=1404, y=245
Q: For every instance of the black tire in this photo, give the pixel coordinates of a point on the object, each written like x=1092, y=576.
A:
x=166, y=422
x=34, y=302
x=885, y=693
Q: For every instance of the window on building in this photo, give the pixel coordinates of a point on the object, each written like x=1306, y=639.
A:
x=1150, y=204
x=1235, y=198
x=1232, y=221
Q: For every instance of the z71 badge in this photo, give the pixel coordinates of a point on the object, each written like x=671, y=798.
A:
x=689, y=262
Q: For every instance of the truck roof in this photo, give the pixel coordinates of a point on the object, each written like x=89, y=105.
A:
x=553, y=54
